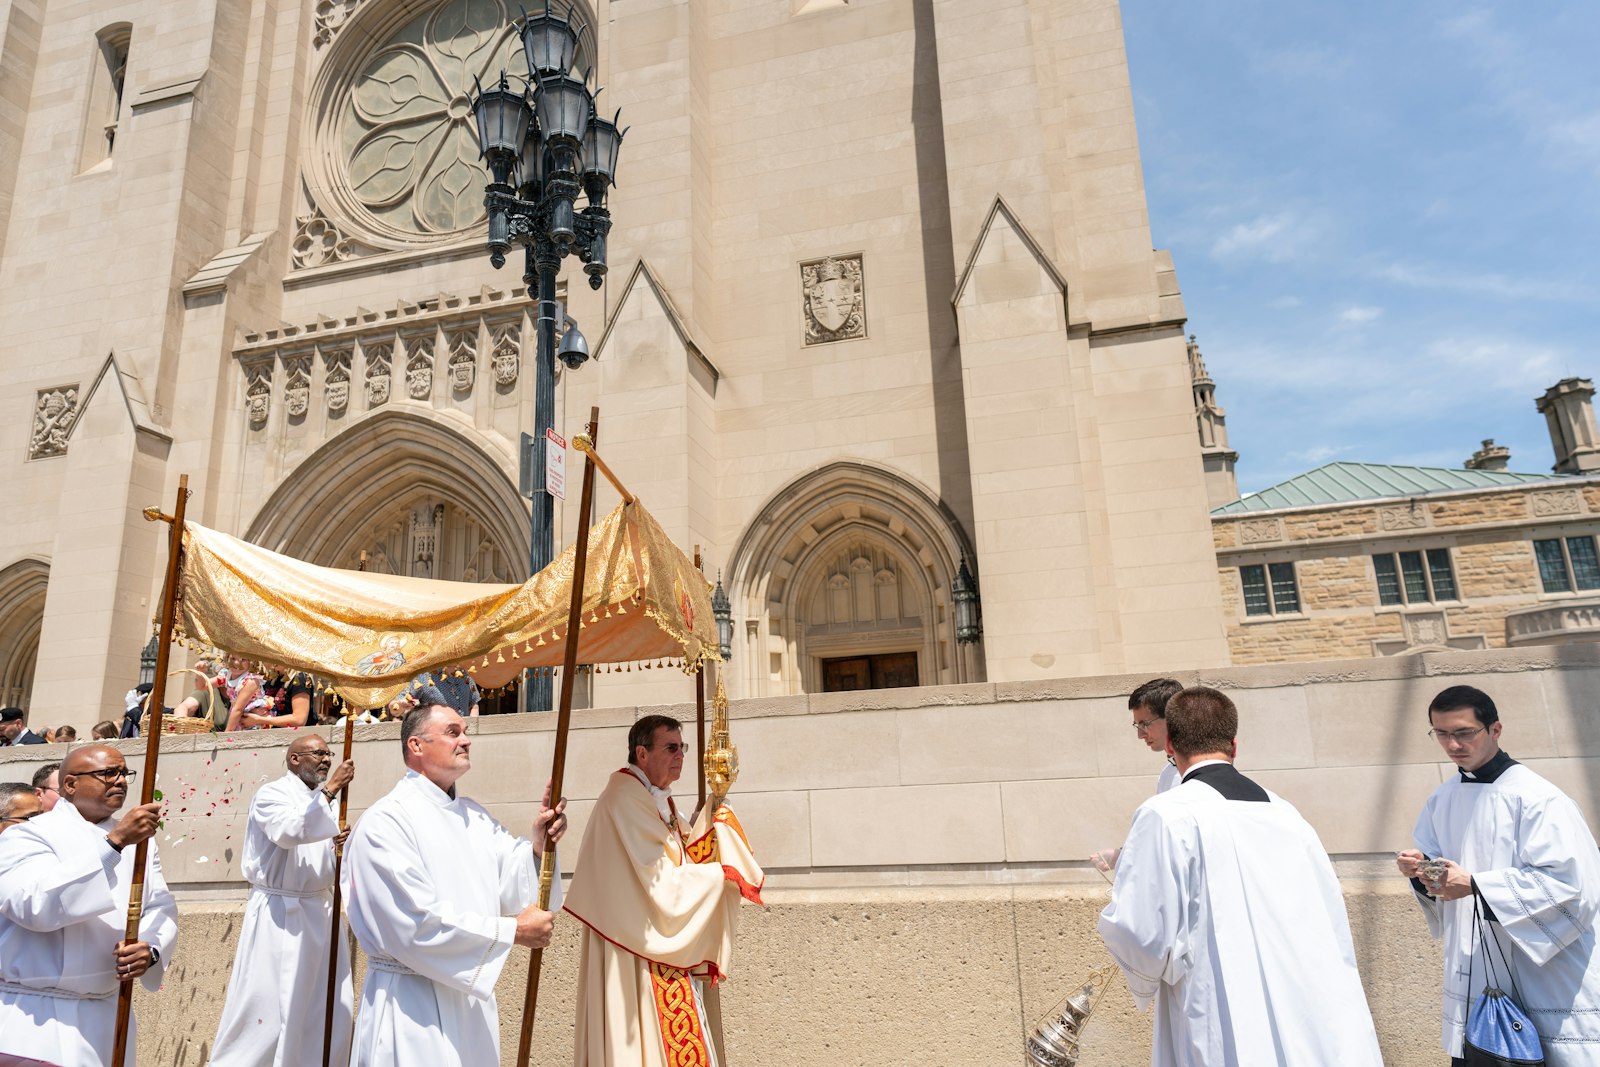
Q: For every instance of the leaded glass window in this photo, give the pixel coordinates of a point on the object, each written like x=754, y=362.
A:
x=1567, y=563
x=1412, y=578
x=1388, y=579
x=1285, y=592
x=1440, y=574
x=1254, y=580
x=1585, y=567
x=1418, y=577
x=1553, y=572
x=1269, y=589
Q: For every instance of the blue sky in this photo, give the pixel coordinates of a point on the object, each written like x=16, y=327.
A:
x=1385, y=217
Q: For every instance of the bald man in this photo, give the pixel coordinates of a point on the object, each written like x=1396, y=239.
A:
x=18, y=804
x=64, y=885
x=278, y=992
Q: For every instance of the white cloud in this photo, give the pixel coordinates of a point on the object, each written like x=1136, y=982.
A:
x=1268, y=236
x=1357, y=314
x=1496, y=285
x=1520, y=81
x=1320, y=454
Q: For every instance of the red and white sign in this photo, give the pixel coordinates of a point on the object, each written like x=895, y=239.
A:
x=555, y=465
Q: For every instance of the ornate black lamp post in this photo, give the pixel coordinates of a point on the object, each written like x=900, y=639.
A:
x=545, y=147
x=969, y=611
x=722, y=611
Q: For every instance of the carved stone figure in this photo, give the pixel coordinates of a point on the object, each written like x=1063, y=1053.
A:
x=378, y=359
x=835, y=302
x=54, y=413
x=419, y=374
x=463, y=359
x=297, y=397
x=258, y=401
x=337, y=389
x=507, y=353
x=338, y=392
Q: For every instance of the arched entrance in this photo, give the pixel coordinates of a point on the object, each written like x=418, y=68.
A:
x=417, y=495
x=22, y=592
x=843, y=581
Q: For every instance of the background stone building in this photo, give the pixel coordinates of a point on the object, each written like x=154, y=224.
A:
x=882, y=299
x=1364, y=559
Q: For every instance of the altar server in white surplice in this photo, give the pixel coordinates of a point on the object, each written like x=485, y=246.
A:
x=438, y=893
x=278, y=991
x=1523, y=844
x=64, y=883
x=1227, y=915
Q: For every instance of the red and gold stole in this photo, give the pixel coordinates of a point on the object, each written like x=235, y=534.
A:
x=681, y=1033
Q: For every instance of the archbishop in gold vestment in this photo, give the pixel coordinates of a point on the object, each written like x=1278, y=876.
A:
x=660, y=907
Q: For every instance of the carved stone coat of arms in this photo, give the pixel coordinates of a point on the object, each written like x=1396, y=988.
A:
x=834, y=299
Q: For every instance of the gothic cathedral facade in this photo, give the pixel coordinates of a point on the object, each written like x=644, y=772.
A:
x=882, y=302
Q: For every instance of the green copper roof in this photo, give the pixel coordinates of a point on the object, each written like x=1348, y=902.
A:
x=1339, y=483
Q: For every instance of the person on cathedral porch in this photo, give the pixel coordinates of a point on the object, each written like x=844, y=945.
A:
x=14, y=729
x=1521, y=846
x=1226, y=915
x=659, y=900
x=438, y=891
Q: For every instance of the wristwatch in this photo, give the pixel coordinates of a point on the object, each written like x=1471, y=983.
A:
x=155, y=957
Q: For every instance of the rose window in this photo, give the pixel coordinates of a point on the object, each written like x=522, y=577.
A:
x=399, y=159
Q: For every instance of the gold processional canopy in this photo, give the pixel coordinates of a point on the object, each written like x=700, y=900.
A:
x=367, y=635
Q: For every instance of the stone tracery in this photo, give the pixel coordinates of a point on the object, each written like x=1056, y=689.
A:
x=394, y=153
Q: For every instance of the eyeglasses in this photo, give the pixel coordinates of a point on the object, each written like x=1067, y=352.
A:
x=108, y=775
x=1460, y=737
x=21, y=818
x=1141, y=725
x=322, y=754
x=672, y=748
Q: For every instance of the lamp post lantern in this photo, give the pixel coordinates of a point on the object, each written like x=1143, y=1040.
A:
x=722, y=611
x=546, y=147
x=969, y=610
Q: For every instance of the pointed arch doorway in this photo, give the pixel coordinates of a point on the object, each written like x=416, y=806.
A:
x=844, y=581
x=22, y=593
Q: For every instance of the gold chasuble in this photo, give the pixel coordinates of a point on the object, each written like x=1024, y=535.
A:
x=660, y=908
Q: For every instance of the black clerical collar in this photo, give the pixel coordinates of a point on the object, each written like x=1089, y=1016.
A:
x=1491, y=770
x=1225, y=779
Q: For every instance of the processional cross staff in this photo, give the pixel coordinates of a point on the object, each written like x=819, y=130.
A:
x=338, y=861
x=152, y=747
x=580, y=560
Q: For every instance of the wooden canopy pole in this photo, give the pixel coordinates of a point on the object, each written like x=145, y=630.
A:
x=569, y=665
x=700, y=710
x=338, y=860
x=152, y=744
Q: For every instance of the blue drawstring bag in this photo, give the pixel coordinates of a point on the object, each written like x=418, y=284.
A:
x=1499, y=1032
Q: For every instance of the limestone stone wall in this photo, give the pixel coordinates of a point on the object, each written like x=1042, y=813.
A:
x=928, y=892
x=1489, y=535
